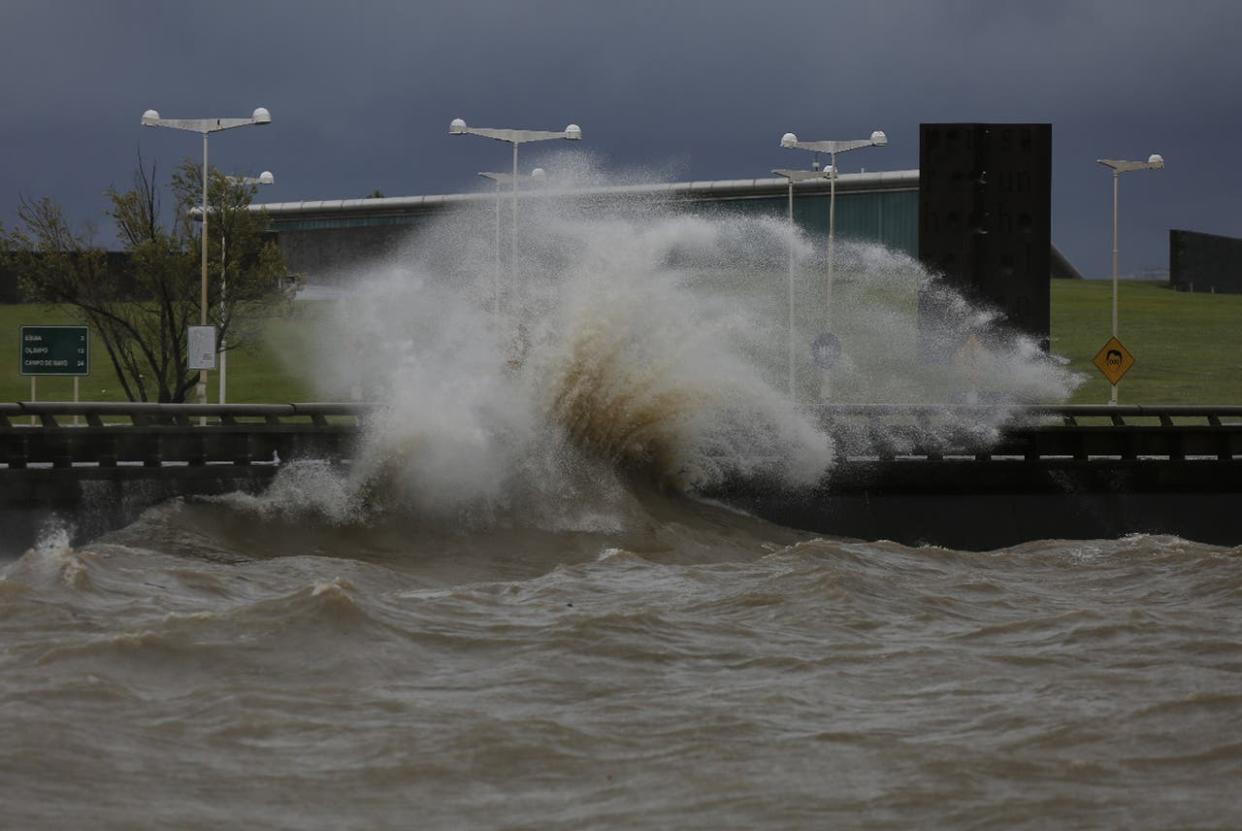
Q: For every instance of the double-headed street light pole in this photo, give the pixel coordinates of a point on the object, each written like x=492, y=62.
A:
x=792, y=176
x=832, y=148
x=206, y=126
x=1154, y=162
x=572, y=132
x=500, y=179
x=264, y=178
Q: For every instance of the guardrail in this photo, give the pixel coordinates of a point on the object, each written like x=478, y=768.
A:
x=1069, y=413
x=144, y=413
x=241, y=434
x=156, y=434
x=1034, y=432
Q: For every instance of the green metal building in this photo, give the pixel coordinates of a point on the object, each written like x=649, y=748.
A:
x=321, y=238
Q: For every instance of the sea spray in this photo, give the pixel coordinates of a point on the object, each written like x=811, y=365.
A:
x=645, y=367
x=51, y=561
x=636, y=338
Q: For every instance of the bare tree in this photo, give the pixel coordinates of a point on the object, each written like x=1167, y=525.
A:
x=141, y=315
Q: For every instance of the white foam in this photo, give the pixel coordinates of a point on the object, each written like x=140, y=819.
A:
x=644, y=339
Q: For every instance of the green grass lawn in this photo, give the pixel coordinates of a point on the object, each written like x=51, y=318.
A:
x=1188, y=349
x=255, y=375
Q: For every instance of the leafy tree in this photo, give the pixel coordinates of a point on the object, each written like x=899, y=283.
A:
x=141, y=314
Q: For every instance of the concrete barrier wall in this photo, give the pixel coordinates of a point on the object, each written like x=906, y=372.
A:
x=88, y=503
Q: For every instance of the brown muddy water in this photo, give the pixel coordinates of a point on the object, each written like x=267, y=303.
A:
x=500, y=617
x=218, y=664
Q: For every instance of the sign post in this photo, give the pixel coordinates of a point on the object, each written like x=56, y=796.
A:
x=201, y=355
x=54, y=350
x=969, y=357
x=1113, y=361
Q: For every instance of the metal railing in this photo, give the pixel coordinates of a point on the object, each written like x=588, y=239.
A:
x=112, y=433
x=141, y=414
x=1034, y=432
x=1115, y=413
x=156, y=434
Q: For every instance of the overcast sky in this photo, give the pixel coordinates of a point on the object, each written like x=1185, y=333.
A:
x=361, y=93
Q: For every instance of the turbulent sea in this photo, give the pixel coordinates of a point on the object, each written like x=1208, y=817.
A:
x=512, y=612
x=213, y=667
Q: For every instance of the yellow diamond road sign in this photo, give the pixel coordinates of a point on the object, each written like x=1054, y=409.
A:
x=1114, y=360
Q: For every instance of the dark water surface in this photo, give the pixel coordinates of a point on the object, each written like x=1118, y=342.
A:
x=213, y=666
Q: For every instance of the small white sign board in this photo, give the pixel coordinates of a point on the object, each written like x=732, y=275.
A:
x=202, y=352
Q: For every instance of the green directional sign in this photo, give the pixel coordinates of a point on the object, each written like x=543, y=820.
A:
x=55, y=350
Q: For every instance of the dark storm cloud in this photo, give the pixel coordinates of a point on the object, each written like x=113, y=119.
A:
x=361, y=95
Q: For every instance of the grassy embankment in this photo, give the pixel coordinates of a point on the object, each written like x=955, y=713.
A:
x=1188, y=349
x=255, y=374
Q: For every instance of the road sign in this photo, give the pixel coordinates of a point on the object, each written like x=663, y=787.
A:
x=1114, y=360
x=202, y=347
x=55, y=350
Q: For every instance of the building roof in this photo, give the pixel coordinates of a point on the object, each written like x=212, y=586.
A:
x=703, y=190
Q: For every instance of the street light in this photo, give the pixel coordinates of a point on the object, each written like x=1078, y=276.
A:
x=571, y=132
x=196, y=214
x=832, y=148
x=792, y=176
x=1154, y=162
x=206, y=126
x=264, y=178
x=538, y=174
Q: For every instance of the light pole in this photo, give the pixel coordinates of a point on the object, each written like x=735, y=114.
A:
x=1154, y=162
x=196, y=214
x=264, y=178
x=206, y=126
x=832, y=148
x=792, y=176
x=514, y=137
x=537, y=174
